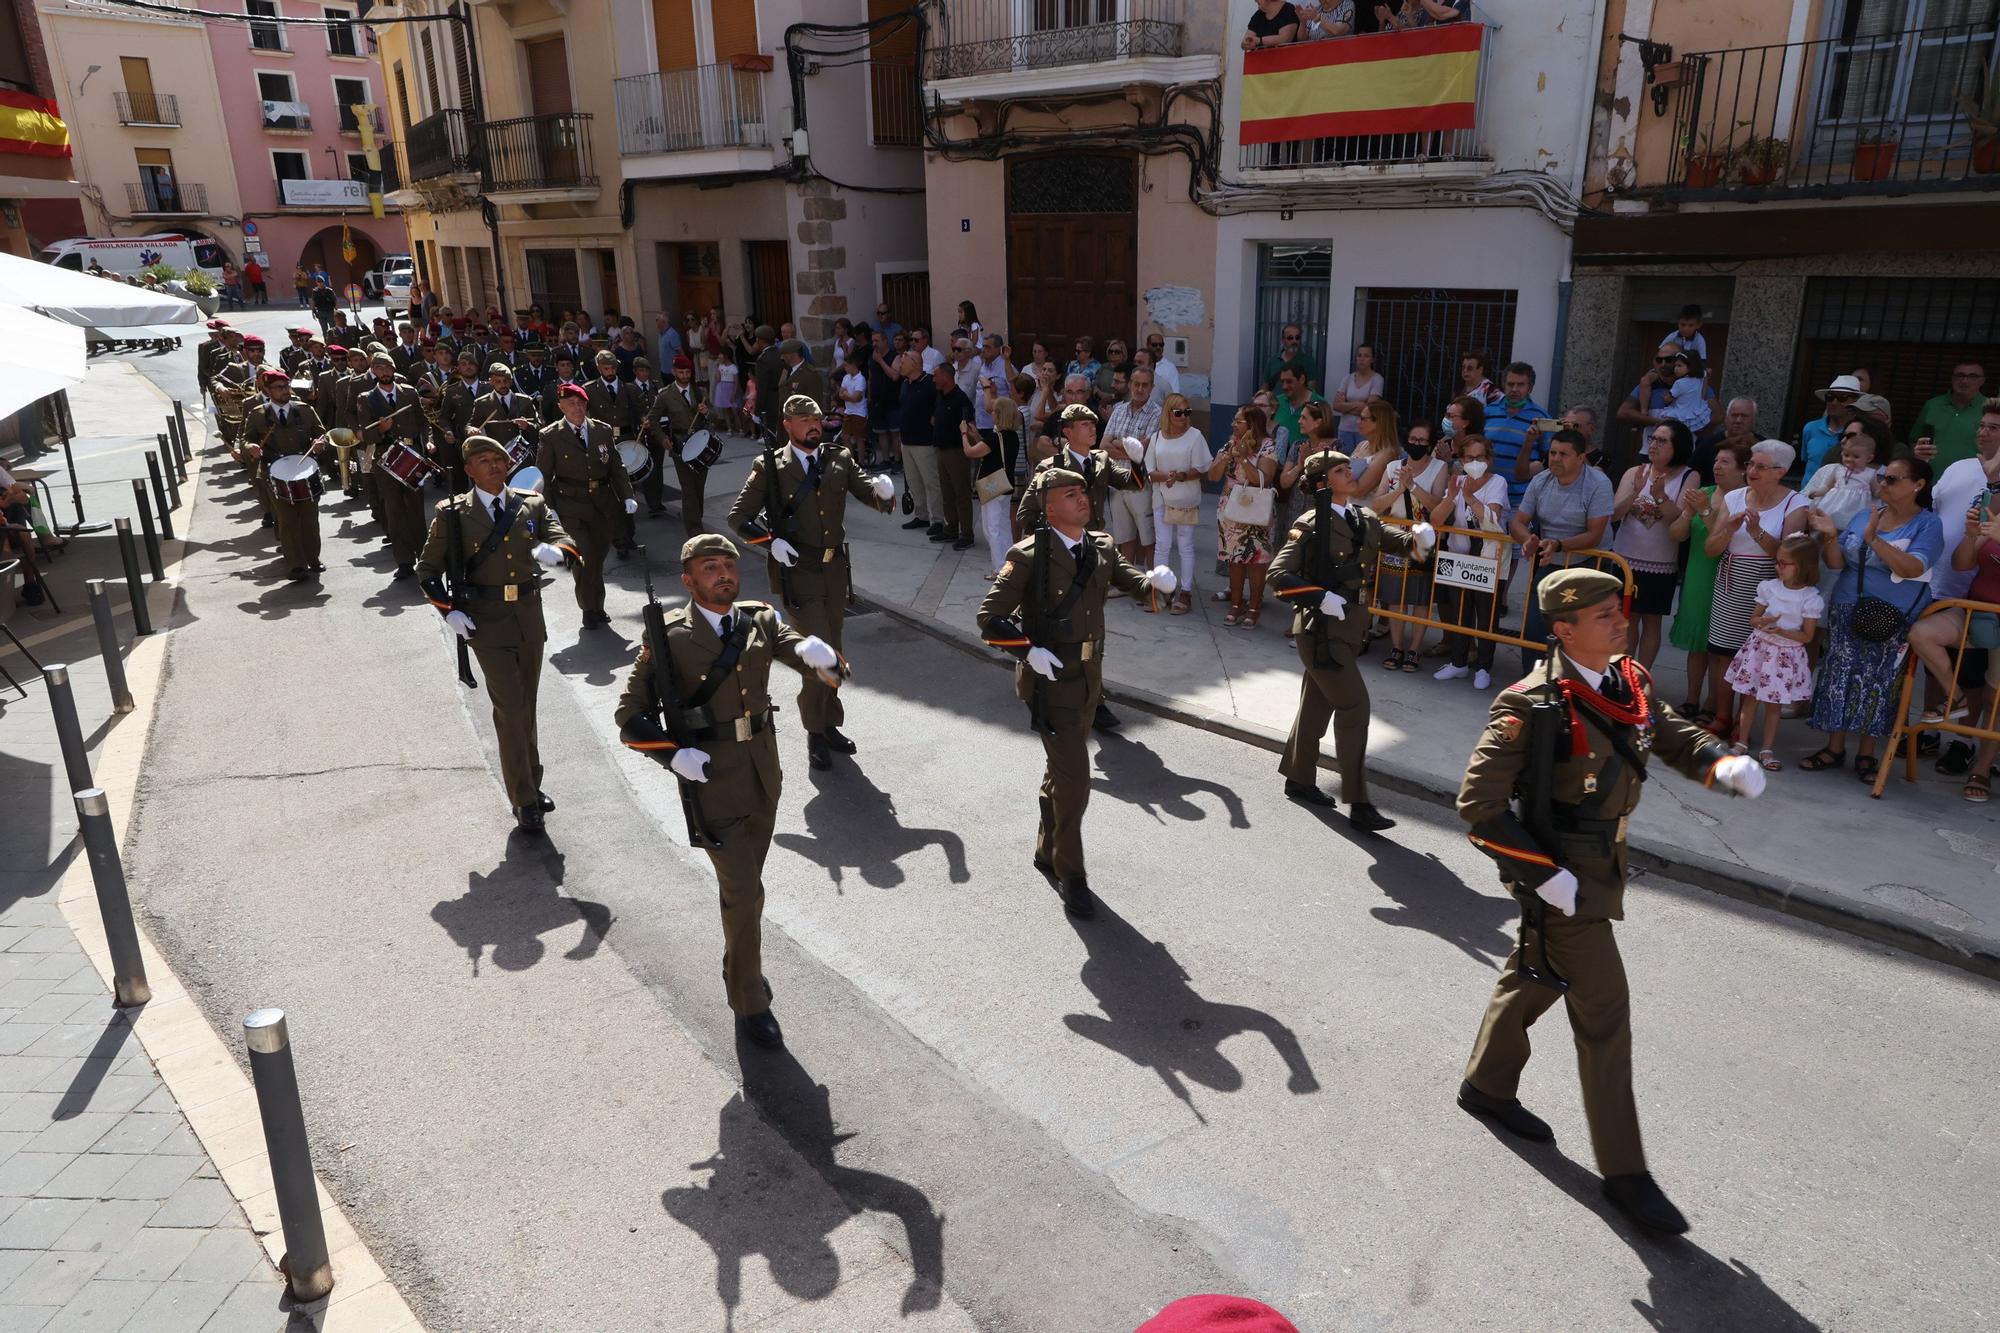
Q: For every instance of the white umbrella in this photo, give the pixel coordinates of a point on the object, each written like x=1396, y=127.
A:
x=80, y=299
x=42, y=356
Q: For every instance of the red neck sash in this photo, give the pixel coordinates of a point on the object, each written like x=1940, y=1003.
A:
x=1637, y=713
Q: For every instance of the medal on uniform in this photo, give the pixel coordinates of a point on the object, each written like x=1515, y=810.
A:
x=1642, y=738
x=1590, y=784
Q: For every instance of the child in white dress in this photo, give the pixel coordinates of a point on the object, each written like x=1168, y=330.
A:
x=1771, y=669
x=1843, y=489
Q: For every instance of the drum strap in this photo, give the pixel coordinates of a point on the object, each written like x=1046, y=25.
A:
x=732, y=648
x=493, y=538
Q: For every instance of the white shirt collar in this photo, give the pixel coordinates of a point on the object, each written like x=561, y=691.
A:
x=714, y=618
x=805, y=459
x=485, y=499
x=1069, y=543
x=1079, y=457
x=1594, y=679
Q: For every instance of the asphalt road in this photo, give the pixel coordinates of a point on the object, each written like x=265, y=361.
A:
x=523, y=1085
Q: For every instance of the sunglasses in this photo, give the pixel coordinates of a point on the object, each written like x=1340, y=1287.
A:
x=1291, y=337
x=1888, y=480
x=1178, y=412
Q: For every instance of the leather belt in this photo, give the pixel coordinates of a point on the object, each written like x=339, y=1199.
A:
x=568, y=484
x=503, y=592
x=739, y=728
x=819, y=555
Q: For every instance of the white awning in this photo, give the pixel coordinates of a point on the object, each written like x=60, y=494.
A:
x=83, y=300
x=42, y=356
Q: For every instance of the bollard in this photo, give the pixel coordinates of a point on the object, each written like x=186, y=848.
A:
x=107, y=645
x=161, y=503
x=181, y=426
x=177, y=441
x=145, y=508
x=306, y=1267
x=69, y=731
x=170, y=449
x=142, y=618
x=128, y=970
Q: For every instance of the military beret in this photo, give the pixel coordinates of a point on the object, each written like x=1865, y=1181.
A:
x=767, y=333
x=1323, y=462
x=682, y=363
x=1055, y=478
x=606, y=355
x=1576, y=589
x=707, y=543
x=302, y=333
x=480, y=444
x=1077, y=412
x=335, y=349
x=253, y=341
x=801, y=405
x=427, y=341
x=500, y=368
x=565, y=356
x=373, y=346
x=575, y=391
x=382, y=359
x=506, y=333
x=792, y=347
x=218, y=323
x=271, y=376
x=639, y=361
x=536, y=349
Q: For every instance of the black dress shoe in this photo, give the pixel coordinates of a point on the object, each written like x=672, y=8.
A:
x=1307, y=794
x=543, y=801
x=270, y=522
x=1044, y=869
x=529, y=819
x=654, y=511
x=762, y=1029
x=937, y=532
x=1641, y=1200
x=1105, y=720
x=316, y=567
x=1367, y=818
x=916, y=523
x=944, y=534
x=404, y=572
x=1508, y=1113
x=1077, y=900
x=817, y=754
x=836, y=741
x=300, y=575
x=962, y=544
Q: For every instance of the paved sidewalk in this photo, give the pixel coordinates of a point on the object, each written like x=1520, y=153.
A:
x=1814, y=844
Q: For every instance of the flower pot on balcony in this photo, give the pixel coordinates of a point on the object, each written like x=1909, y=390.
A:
x=753, y=62
x=1986, y=156
x=1704, y=170
x=1875, y=161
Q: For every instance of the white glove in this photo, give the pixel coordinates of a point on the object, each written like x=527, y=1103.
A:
x=1044, y=663
x=1333, y=604
x=461, y=624
x=1740, y=775
x=1559, y=892
x=1135, y=448
x=784, y=552
x=547, y=554
x=693, y=765
x=885, y=489
x=1161, y=579
x=818, y=654
x=631, y=506
x=1425, y=536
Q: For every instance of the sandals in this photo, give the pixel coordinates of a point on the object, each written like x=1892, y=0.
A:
x=1866, y=766
x=1770, y=761
x=1235, y=613
x=1410, y=659
x=1978, y=789
x=1392, y=661
x=1951, y=712
x=1181, y=604
x=1251, y=617
x=1826, y=758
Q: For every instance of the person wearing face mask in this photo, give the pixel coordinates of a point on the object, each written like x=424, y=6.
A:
x=1412, y=485
x=1474, y=498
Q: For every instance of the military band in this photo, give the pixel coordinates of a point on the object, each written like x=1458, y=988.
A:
x=591, y=489
x=680, y=408
x=277, y=433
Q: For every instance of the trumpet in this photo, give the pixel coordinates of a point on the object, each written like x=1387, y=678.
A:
x=229, y=398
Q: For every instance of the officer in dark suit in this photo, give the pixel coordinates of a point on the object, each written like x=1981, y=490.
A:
x=720, y=653
x=1561, y=851
x=1046, y=607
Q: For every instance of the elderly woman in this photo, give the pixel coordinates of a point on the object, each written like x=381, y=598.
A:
x=1886, y=555
x=1744, y=530
x=1690, y=628
x=1646, y=507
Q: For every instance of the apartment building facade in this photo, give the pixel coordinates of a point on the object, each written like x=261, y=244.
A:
x=38, y=189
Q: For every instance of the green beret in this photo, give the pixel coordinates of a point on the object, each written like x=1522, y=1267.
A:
x=765, y=332
x=792, y=347
x=381, y=359
x=500, y=368
x=707, y=543
x=1323, y=462
x=1577, y=589
x=802, y=405
x=1055, y=478
x=481, y=444
x=1077, y=412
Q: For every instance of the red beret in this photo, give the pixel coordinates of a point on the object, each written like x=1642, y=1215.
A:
x=278, y=375
x=572, y=391
x=253, y=340
x=218, y=323
x=682, y=363
x=302, y=333
x=427, y=341
x=1217, y=1314
x=335, y=349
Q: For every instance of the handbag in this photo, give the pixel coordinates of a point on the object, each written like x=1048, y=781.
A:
x=1184, y=515
x=993, y=485
x=1249, y=505
x=1875, y=619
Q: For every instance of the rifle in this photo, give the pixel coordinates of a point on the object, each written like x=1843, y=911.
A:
x=772, y=520
x=1038, y=716
x=454, y=585
x=1548, y=724
x=655, y=617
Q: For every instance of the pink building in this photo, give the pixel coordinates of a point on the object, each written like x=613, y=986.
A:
x=288, y=92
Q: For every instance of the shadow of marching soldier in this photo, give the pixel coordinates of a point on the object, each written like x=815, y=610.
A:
x=1154, y=1018
x=1431, y=897
x=510, y=908
x=853, y=825
x=750, y=1205
x=1135, y=774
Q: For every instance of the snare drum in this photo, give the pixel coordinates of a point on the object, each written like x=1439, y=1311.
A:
x=409, y=467
x=638, y=462
x=520, y=453
x=701, y=449
x=295, y=478
x=527, y=479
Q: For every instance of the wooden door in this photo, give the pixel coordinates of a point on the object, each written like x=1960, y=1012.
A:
x=548, y=76
x=770, y=267
x=1072, y=249
x=908, y=296
x=139, y=89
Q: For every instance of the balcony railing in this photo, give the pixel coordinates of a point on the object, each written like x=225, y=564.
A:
x=681, y=110
x=291, y=116
x=1882, y=113
x=180, y=198
x=148, y=109
x=970, y=37
x=444, y=143
x=531, y=153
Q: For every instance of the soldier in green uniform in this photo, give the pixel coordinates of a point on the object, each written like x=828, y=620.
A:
x=564, y=373
x=799, y=516
x=1046, y=607
x=1324, y=570
x=278, y=428
x=679, y=407
x=534, y=374
x=209, y=356
x=388, y=411
x=719, y=737
x=505, y=536
x=800, y=375
x=1563, y=848
x=591, y=489
x=620, y=407
x=503, y=412
x=351, y=380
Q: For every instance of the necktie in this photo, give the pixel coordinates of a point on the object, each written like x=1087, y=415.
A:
x=1614, y=688
x=496, y=510
x=1086, y=559
x=727, y=627
x=282, y=415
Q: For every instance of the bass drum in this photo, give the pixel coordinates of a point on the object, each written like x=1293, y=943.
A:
x=527, y=479
x=638, y=462
x=701, y=449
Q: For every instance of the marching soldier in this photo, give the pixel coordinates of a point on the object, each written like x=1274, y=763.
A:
x=800, y=375
x=408, y=355
x=1571, y=743
x=279, y=428
x=350, y=381
x=679, y=406
x=388, y=412
x=1046, y=607
x=501, y=413
x=294, y=353
x=235, y=374
x=591, y=488
x=794, y=503
x=504, y=536
x=209, y=356
x=1323, y=570
x=719, y=737
x=534, y=374
x=565, y=373
x=1101, y=473
x=613, y=402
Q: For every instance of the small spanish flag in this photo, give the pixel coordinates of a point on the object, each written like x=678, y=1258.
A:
x=1375, y=83
x=31, y=124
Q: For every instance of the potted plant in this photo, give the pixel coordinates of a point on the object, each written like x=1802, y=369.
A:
x=1702, y=162
x=1982, y=117
x=202, y=288
x=1759, y=159
x=1875, y=154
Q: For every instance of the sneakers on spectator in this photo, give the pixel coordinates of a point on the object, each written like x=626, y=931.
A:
x=1449, y=672
x=1482, y=680
x=1956, y=761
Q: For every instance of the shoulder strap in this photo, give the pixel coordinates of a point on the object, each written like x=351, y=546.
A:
x=732, y=648
x=495, y=537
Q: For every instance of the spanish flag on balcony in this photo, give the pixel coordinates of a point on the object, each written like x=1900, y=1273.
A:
x=1377, y=83
x=31, y=124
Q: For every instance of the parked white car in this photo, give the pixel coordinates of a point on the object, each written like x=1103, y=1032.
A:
x=396, y=287
x=375, y=278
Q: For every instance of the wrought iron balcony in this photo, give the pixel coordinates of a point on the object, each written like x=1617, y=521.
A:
x=148, y=109
x=1884, y=113
x=682, y=110
x=158, y=198
x=974, y=37
x=538, y=154
x=444, y=143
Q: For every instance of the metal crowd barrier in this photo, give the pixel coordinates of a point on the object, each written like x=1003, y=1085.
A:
x=1975, y=727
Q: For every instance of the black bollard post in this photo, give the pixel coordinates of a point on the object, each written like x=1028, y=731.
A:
x=181, y=425
x=142, y=619
x=107, y=644
x=69, y=731
x=145, y=508
x=161, y=500
x=170, y=449
x=114, y=903
x=306, y=1266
